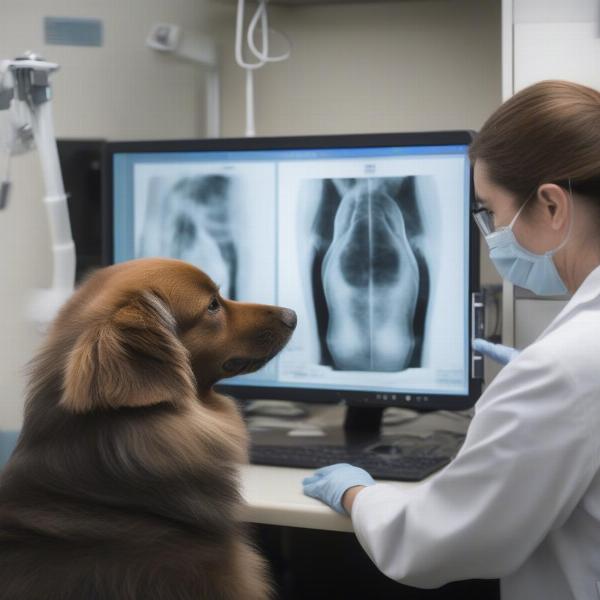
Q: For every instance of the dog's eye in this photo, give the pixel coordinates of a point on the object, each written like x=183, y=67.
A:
x=214, y=305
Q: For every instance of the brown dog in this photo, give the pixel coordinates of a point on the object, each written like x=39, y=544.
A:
x=123, y=484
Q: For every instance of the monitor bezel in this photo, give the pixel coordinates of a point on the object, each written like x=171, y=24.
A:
x=418, y=401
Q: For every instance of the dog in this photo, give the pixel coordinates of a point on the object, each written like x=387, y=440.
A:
x=123, y=484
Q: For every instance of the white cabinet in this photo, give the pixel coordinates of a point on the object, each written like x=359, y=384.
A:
x=550, y=39
x=544, y=39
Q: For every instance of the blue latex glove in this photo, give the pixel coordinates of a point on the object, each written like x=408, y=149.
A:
x=329, y=483
x=498, y=352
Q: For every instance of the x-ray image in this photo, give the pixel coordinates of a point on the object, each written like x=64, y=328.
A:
x=192, y=218
x=371, y=253
x=369, y=277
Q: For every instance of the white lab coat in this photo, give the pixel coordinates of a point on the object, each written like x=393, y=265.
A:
x=521, y=500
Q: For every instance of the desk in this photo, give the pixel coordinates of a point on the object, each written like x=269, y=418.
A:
x=308, y=534
x=274, y=496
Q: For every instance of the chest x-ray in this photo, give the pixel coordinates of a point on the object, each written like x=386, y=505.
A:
x=193, y=218
x=367, y=272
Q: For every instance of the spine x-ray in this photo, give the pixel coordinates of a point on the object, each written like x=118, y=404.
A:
x=369, y=279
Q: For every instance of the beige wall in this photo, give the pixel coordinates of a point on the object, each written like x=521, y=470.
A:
x=413, y=65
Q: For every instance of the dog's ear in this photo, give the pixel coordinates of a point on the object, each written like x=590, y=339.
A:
x=131, y=358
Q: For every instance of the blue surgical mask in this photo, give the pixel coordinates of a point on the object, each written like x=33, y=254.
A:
x=535, y=272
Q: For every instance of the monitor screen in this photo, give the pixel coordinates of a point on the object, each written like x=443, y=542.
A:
x=367, y=238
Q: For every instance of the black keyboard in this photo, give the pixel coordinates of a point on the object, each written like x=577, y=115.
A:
x=382, y=462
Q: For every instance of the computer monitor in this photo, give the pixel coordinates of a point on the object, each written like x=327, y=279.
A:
x=367, y=237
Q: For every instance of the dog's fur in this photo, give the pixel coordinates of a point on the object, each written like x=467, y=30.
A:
x=123, y=484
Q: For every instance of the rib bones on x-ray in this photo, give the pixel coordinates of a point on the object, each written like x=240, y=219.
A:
x=192, y=221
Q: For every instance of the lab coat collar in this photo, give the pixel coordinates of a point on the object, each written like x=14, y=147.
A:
x=588, y=291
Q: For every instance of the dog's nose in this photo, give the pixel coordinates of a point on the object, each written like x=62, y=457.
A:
x=288, y=318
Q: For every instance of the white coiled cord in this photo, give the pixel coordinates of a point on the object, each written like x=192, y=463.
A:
x=261, y=55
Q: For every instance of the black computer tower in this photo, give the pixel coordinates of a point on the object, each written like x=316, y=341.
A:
x=81, y=163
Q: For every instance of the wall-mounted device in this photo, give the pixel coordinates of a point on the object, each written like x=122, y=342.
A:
x=195, y=47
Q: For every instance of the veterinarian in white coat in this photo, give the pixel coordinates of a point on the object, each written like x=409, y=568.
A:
x=521, y=500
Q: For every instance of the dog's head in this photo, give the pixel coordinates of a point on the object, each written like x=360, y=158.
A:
x=157, y=330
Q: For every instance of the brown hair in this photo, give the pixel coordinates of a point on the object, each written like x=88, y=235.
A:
x=548, y=132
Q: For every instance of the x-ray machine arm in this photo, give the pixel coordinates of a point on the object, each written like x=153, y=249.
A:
x=25, y=92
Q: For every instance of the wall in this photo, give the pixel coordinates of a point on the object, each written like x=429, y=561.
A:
x=413, y=65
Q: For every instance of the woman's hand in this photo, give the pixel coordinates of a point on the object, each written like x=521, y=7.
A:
x=328, y=484
x=497, y=352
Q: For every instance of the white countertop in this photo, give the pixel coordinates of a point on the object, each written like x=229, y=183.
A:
x=274, y=496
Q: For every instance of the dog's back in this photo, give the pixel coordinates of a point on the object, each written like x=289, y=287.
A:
x=81, y=516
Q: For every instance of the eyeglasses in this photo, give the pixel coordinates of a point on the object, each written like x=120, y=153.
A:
x=484, y=219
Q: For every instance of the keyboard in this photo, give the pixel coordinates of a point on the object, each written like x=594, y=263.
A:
x=382, y=462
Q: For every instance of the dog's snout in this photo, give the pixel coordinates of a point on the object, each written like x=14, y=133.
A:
x=288, y=318
x=266, y=336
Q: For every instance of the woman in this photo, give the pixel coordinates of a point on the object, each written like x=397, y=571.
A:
x=521, y=500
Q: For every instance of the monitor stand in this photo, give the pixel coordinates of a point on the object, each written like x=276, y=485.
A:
x=355, y=427
x=408, y=447
x=362, y=424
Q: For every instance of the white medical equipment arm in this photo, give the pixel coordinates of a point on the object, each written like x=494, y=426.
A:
x=25, y=92
x=261, y=55
x=199, y=48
